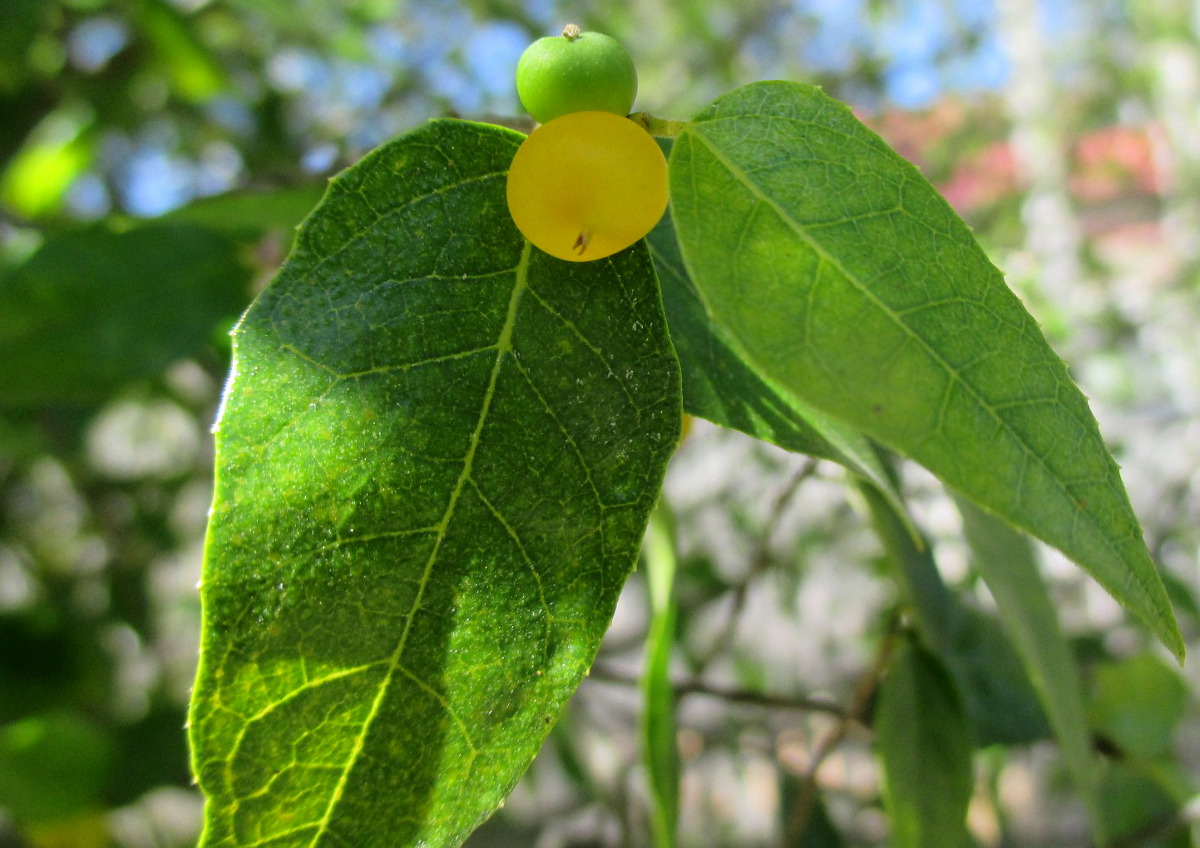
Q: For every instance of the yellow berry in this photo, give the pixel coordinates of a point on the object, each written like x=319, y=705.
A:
x=586, y=185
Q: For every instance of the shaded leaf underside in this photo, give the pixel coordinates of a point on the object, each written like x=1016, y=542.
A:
x=1008, y=564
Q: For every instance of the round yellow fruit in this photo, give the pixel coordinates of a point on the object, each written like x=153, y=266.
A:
x=586, y=185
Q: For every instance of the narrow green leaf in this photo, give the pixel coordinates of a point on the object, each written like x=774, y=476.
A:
x=437, y=455
x=841, y=274
x=1006, y=560
x=93, y=309
x=1183, y=597
x=1001, y=703
x=660, y=752
x=925, y=748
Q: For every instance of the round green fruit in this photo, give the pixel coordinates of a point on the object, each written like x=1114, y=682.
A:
x=576, y=72
x=587, y=185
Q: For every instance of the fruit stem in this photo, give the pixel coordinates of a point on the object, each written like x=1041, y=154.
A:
x=571, y=32
x=665, y=127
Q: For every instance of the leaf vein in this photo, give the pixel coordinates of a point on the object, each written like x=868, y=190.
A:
x=599, y=354
x=503, y=346
x=802, y=233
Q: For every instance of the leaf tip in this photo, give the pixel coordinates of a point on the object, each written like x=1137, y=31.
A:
x=1165, y=628
x=1176, y=646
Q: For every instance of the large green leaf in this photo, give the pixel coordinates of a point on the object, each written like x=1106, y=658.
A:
x=436, y=459
x=841, y=275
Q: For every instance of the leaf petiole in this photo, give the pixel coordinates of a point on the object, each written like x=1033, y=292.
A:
x=662, y=127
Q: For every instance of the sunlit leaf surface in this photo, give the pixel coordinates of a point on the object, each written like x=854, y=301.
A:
x=436, y=460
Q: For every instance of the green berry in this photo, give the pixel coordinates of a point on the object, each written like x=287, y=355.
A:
x=576, y=72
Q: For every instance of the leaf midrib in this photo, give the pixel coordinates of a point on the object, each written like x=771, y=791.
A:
x=503, y=348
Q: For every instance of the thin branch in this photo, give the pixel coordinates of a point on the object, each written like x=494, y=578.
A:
x=760, y=561
x=665, y=127
x=602, y=673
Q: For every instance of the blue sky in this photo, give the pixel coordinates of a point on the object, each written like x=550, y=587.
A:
x=926, y=48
